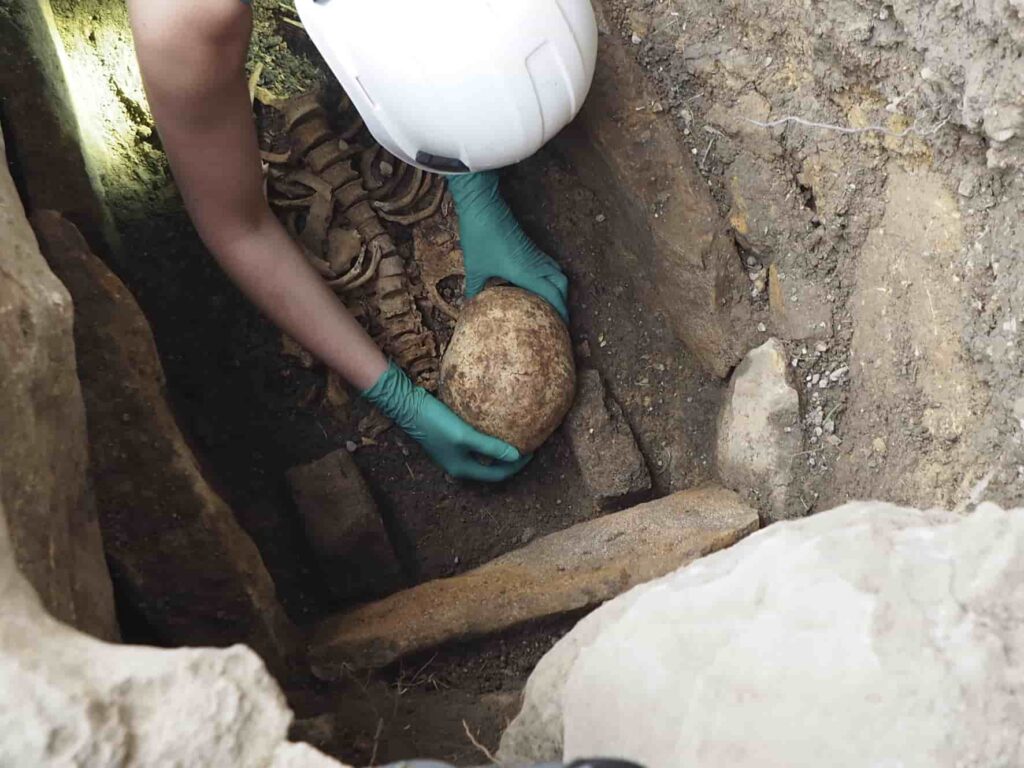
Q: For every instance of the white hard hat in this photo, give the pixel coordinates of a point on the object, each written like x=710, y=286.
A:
x=459, y=85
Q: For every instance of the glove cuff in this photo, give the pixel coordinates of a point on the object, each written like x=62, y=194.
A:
x=469, y=188
x=395, y=396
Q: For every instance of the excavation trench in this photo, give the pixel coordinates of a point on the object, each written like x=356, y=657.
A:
x=691, y=236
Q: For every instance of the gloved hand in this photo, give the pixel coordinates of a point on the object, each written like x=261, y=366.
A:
x=448, y=440
x=494, y=245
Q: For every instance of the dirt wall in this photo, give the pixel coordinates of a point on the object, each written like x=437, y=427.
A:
x=924, y=214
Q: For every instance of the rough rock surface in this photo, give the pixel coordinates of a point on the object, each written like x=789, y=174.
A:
x=920, y=383
x=668, y=225
x=43, y=453
x=759, y=431
x=53, y=163
x=343, y=526
x=873, y=634
x=612, y=466
x=565, y=571
x=509, y=369
x=84, y=703
x=173, y=544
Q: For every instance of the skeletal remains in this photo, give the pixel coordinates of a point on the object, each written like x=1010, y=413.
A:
x=332, y=193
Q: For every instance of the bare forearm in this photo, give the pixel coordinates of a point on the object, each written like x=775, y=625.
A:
x=192, y=54
x=268, y=267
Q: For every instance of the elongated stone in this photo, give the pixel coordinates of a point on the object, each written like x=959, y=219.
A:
x=579, y=567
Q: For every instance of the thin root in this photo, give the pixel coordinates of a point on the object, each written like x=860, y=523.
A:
x=850, y=130
x=484, y=750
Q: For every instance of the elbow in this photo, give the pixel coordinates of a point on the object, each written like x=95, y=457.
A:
x=230, y=234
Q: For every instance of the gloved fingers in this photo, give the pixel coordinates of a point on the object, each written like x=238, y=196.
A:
x=475, y=283
x=528, y=256
x=561, y=282
x=492, y=473
x=488, y=446
x=547, y=290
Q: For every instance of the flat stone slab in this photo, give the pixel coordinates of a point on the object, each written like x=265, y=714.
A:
x=579, y=567
x=172, y=542
x=612, y=466
x=343, y=526
x=660, y=214
x=44, y=461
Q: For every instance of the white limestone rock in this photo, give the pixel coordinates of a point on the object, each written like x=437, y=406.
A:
x=870, y=635
x=759, y=432
x=67, y=699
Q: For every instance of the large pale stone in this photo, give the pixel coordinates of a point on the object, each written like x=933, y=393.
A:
x=872, y=634
x=69, y=700
x=43, y=455
x=670, y=240
x=579, y=567
x=759, y=431
x=173, y=544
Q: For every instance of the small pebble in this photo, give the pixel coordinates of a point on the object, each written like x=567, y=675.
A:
x=636, y=39
x=879, y=445
x=599, y=218
x=350, y=446
x=838, y=373
x=762, y=327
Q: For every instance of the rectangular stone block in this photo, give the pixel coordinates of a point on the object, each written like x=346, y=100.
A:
x=612, y=466
x=579, y=567
x=343, y=526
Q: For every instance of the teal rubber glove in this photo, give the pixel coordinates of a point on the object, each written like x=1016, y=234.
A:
x=445, y=437
x=494, y=245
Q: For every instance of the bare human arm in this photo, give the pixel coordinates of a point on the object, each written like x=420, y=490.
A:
x=192, y=56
